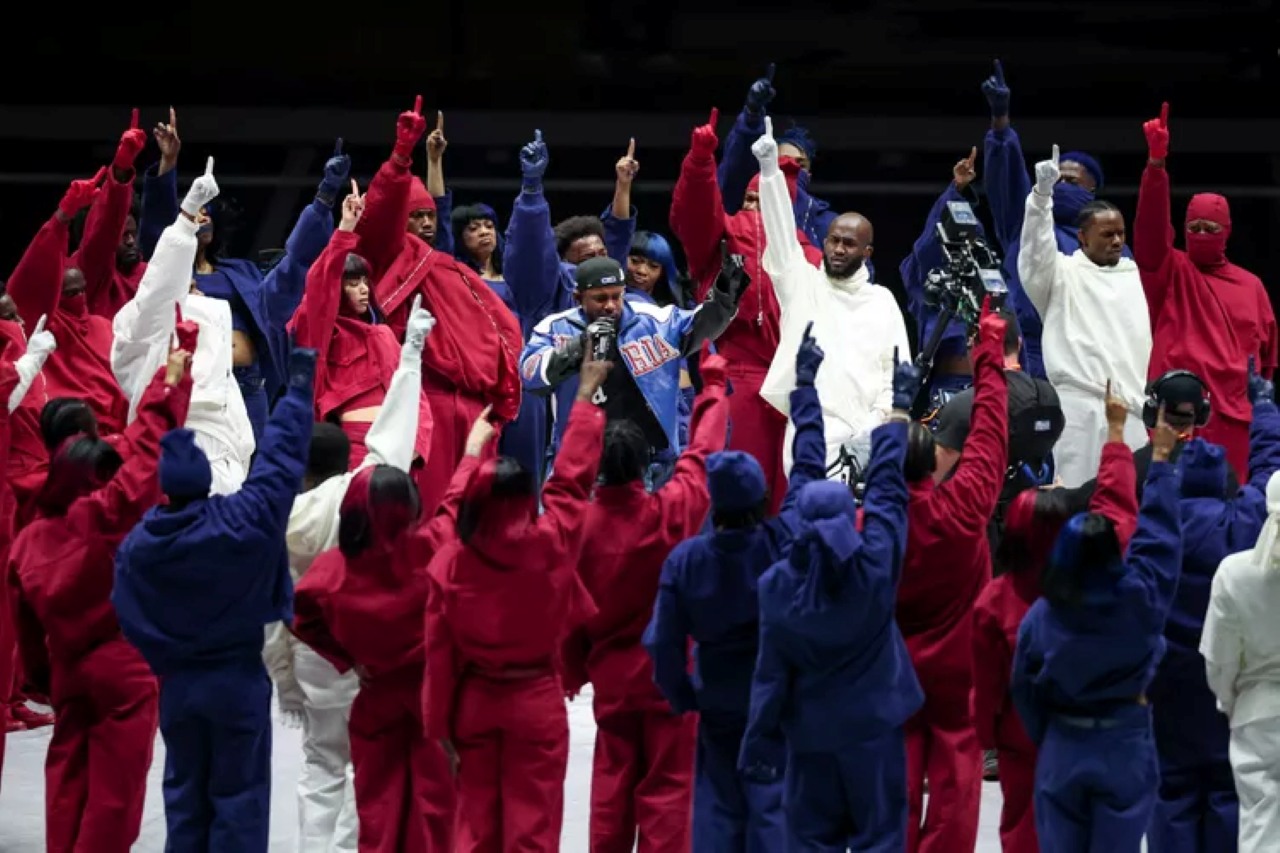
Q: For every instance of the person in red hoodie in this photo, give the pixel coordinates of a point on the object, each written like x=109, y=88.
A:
x=358, y=352
x=502, y=598
x=948, y=562
x=642, y=778
x=700, y=222
x=8, y=509
x=108, y=253
x=1207, y=314
x=360, y=606
x=61, y=568
x=1032, y=522
x=472, y=361
x=45, y=284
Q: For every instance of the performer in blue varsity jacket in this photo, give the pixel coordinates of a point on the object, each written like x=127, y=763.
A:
x=197, y=582
x=1197, y=810
x=647, y=340
x=833, y=674
x=708, y=593
x=1087, y=652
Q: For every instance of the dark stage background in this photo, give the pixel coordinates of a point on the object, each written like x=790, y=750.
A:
x=889, y=89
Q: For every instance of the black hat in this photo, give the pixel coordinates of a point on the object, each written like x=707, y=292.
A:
x=599, y=272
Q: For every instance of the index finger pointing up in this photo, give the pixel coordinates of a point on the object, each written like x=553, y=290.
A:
x=999, y=72
x=1164, y=114
x=417, y=105
x=631, y=149
x=133, y=119
x=768, y=74
x=715, y=115
x=973, y=156
x=768, y=126
x=1055, y=155
x=208, y=167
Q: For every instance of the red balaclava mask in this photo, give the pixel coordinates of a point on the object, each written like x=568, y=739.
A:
x=1208, y=250
x=790, y=168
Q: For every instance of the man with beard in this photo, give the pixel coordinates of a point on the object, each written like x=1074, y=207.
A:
x=859, y=322
x=1208, y=315
x=1096, y=326
x=1007, y=185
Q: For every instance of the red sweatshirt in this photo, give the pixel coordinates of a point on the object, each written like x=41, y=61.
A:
x=948, y=559
x=629, y=534
x=108, y=287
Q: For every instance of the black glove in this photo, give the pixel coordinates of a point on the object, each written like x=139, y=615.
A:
x=761, y=93
x=302, y=368
x=733, y=280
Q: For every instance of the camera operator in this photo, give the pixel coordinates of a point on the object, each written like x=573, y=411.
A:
x=647, y=339
x=947, y=564
x=951, y=371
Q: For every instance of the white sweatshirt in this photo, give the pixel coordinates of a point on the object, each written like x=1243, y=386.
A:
x=1241, y=639
x=1096, y=325
x=143, y=330
x=313, y=521
x=856, y=323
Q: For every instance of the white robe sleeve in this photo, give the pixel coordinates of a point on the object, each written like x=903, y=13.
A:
x=28, y=366
x=1039, y=261
x=782, y=253
x=142, y=327
x=1222, y=645
x=392, y=435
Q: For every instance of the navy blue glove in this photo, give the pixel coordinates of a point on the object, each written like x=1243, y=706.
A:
x=808, y=358
x=533, y=162
x=1261, y=389
x=997, y=92
x=906, y=383
x=761, y=93
x=336, y=171
x=302, y=368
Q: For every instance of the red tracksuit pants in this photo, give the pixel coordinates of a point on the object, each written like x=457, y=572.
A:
x=512, y=738
x=452, y=413
x=943, y=748
x=405, y=791
x=107, y=707
x=642, y=781
x=1017, y=815
x=757, y=428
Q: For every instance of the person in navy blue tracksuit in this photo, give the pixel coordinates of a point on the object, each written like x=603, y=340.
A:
x=833, y=674
x=1197, y=810
x=708, y=593
x=197, y=582
x=1086, y=654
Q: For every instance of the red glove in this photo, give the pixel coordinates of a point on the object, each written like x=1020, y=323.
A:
x=705, y=142
x=409, y=129
x=992, y=327
x=131, y=144
x=1157, y=131
x=714, y=369
x=187, y=332
x=81, y=194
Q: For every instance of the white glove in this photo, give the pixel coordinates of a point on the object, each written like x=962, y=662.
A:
x=204, y=189
x=421, y=322
x=1047, y=174
x=766, y=150
x=39, y=347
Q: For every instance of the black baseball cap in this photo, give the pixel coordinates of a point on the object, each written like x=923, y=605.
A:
x=599, y=272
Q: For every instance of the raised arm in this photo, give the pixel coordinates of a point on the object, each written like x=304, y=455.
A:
x=971, y=493
x=737, y=165
x=286, y=281
x=697, y=216
x=809, y=446
x=36, y=283
x=40, y=346
x=436, y=145
x=782, y=252
x=619, y=219
x=160, y=186
x=1115, y=497
x=393, y=435
x=1006, y=180
x=1153, y=223
x=145, y=322
x=530, y=263
x=884, y=506
x=263, y=502
x=1155, y=551
x=684, y=501
x=1039, y=261
x=565, y=495
x=317, y=313
x=386, y=214
x=709, y=320
x=547, y=360
x=95, y=257
x=1264, y=431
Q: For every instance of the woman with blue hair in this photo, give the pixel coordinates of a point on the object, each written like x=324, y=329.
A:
x=1087, y=652
x=651, y=271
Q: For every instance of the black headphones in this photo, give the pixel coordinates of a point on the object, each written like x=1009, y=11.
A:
x=1151, y=407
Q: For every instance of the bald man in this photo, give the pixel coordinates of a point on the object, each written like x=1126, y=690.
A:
x=857, y=323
